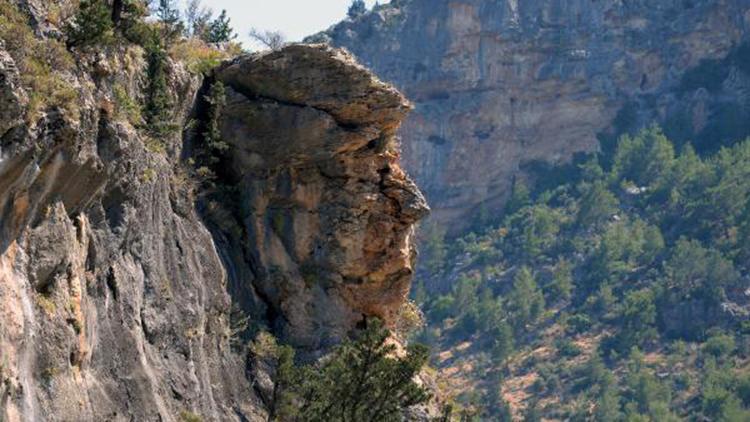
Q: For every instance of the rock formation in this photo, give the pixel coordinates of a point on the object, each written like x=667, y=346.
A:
x=503, y=87
x=327, y=211
x=115, y=294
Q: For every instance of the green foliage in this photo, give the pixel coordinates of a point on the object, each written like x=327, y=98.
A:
x=126, y=107
x=357, y=9
x=216, y=100
x=92, y=24
x=637, y=318
x=360, y=380
x=167, y=13
x=520, y=196
x=159, y=103
x=643, y=245
x=186, y=416
x=220, y=30
x=43, y=63
x=719, y=345
x=561, y=287
x=597, y=204
x=526, y=301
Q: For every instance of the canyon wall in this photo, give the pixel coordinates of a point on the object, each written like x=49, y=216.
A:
x=505, y=88
x=121, y=272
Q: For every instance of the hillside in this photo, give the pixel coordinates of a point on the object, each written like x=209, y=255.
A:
x=619, y=294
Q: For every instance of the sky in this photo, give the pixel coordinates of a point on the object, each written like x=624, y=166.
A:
x=294, y=18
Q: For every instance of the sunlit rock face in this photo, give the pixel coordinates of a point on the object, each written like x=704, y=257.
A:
x=327, y=212
x=501, y=87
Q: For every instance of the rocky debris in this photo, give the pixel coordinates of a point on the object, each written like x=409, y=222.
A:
x=327, y=211
x=504, y=87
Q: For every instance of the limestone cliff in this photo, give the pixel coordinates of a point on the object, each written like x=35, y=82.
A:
x=115, y=293
x=503, y=86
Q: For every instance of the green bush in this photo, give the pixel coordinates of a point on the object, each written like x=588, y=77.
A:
x=360, y=380
x=719, y=345
x=92, y=24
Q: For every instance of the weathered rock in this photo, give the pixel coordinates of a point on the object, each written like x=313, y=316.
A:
x=327, y=211
x=13, y=98
x=115, y=298
x=501, y=86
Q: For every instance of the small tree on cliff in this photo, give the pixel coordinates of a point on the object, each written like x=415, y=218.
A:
x=219, y=30
x=361, y=380
x=92, y=23
x=357, y=9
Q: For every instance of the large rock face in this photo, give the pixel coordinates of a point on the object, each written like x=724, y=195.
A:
x=115, y=295
x=327, y=212
x=502, y=85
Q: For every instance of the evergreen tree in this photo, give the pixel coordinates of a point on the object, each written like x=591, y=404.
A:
x=168, y=14
x=562, y=281
x=219, y=30
x=92, y=24
x=525, y=301
x=520, y=196
x=357, y=9
x=364, y=381
x=158, y=100
x=198, y=19
x=216, y=100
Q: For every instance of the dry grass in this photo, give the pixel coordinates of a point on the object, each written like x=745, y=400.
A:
x=41, y=62
x=200, y=57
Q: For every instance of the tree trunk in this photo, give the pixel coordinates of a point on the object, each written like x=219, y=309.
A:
x=117, y=6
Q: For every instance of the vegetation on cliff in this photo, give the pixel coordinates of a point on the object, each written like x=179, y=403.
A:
x=631, y=277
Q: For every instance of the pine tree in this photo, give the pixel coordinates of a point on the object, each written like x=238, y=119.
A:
x=219, y=30
x=198, y=18
x=357, y=9
x=158, y=100
x=526, y=302
x=92, y=24
x=168, y=15
x=360, y=381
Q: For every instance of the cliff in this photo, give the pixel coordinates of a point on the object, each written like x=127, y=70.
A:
x=117, y=296
x=505, y=88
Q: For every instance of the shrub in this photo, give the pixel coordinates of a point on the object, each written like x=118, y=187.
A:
x=42, y=63
x=361, y=380
x=200, y=57
x=126, y=107
x=92, y=24
x=719, y=345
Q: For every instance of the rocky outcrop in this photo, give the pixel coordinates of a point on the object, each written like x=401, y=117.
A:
x=327, y=213
x=116, y=296
x=505, y=87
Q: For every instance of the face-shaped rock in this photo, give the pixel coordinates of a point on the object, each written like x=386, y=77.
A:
x=327, y=211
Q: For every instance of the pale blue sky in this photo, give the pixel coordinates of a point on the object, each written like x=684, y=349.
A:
x=295, y=18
